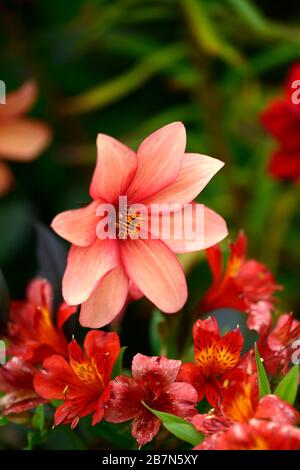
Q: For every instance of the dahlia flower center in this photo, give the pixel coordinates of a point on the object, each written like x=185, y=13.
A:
x=129, y=224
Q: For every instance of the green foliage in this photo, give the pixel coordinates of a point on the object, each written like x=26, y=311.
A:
x=263, y=382
x=118, y=365
x=157, y=333
x=118, y=435
x=288, y=386
x=3, y=421
x=39, y=434
x=181, y=428
x=38, y=419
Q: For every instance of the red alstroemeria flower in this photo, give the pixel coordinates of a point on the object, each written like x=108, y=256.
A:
x=16, y=380
x=154, y=382
x=159, y=173
x=240, y=404
x=31, y=332
x=21, y=138
x=276, y=347
x=282, y=120
x=216, y=360
x=246, y=285
x=83, y=382
x=255, y=435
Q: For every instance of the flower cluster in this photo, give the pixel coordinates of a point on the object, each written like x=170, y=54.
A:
x=282, y=120
x=228, y=394
x=44, y=367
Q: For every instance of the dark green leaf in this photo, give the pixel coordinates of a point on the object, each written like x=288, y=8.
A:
x=4, y=302
x=156, y=340
x=118, y=435
x=263, y=382
x=118, y=365
x=116, y=88
x=52, y=258
x=33, y=439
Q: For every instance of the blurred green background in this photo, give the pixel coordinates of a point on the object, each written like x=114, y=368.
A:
x=126, y=68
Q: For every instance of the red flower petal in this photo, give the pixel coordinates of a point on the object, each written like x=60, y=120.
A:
x=156, y=369
x=125, y=400
x=145, y=427
x=272, y=408
x=58, y=381
x=104, y=348
x=179, y=399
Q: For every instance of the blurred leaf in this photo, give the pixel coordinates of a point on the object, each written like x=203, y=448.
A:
x=38, y=419
x=3, y=421
x=15, y=223
x=4, y=302
x=250, y=14
x=156, y=341
x=56, y=403
x=34, y=439
x=263, y=382
x=288, y=386
x=189, y=260
x=93, y=23
x=207, y=35
x=259, y=24
x=52, y=258
x=118, y=435
x=277, y=55
x=283, y=209
x=39, y=435
x=64, y=438
x=121, y=86
x=179, y=427
x=118, y=365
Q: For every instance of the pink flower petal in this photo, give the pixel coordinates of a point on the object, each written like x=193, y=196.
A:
x=196, y=172
x=133, y=291
x=185, y=236
x=116, y=165
x=23, y=139
x=77, y=226
x=156, y=271
x=20, y=101
x=85, y=268
x=107, y=301
x=158, y=368
x=160, y=158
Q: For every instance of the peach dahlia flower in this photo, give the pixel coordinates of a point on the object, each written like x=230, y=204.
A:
x=21, y=138
x=101, y=274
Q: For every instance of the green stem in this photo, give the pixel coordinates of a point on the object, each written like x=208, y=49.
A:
x=278, y=224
